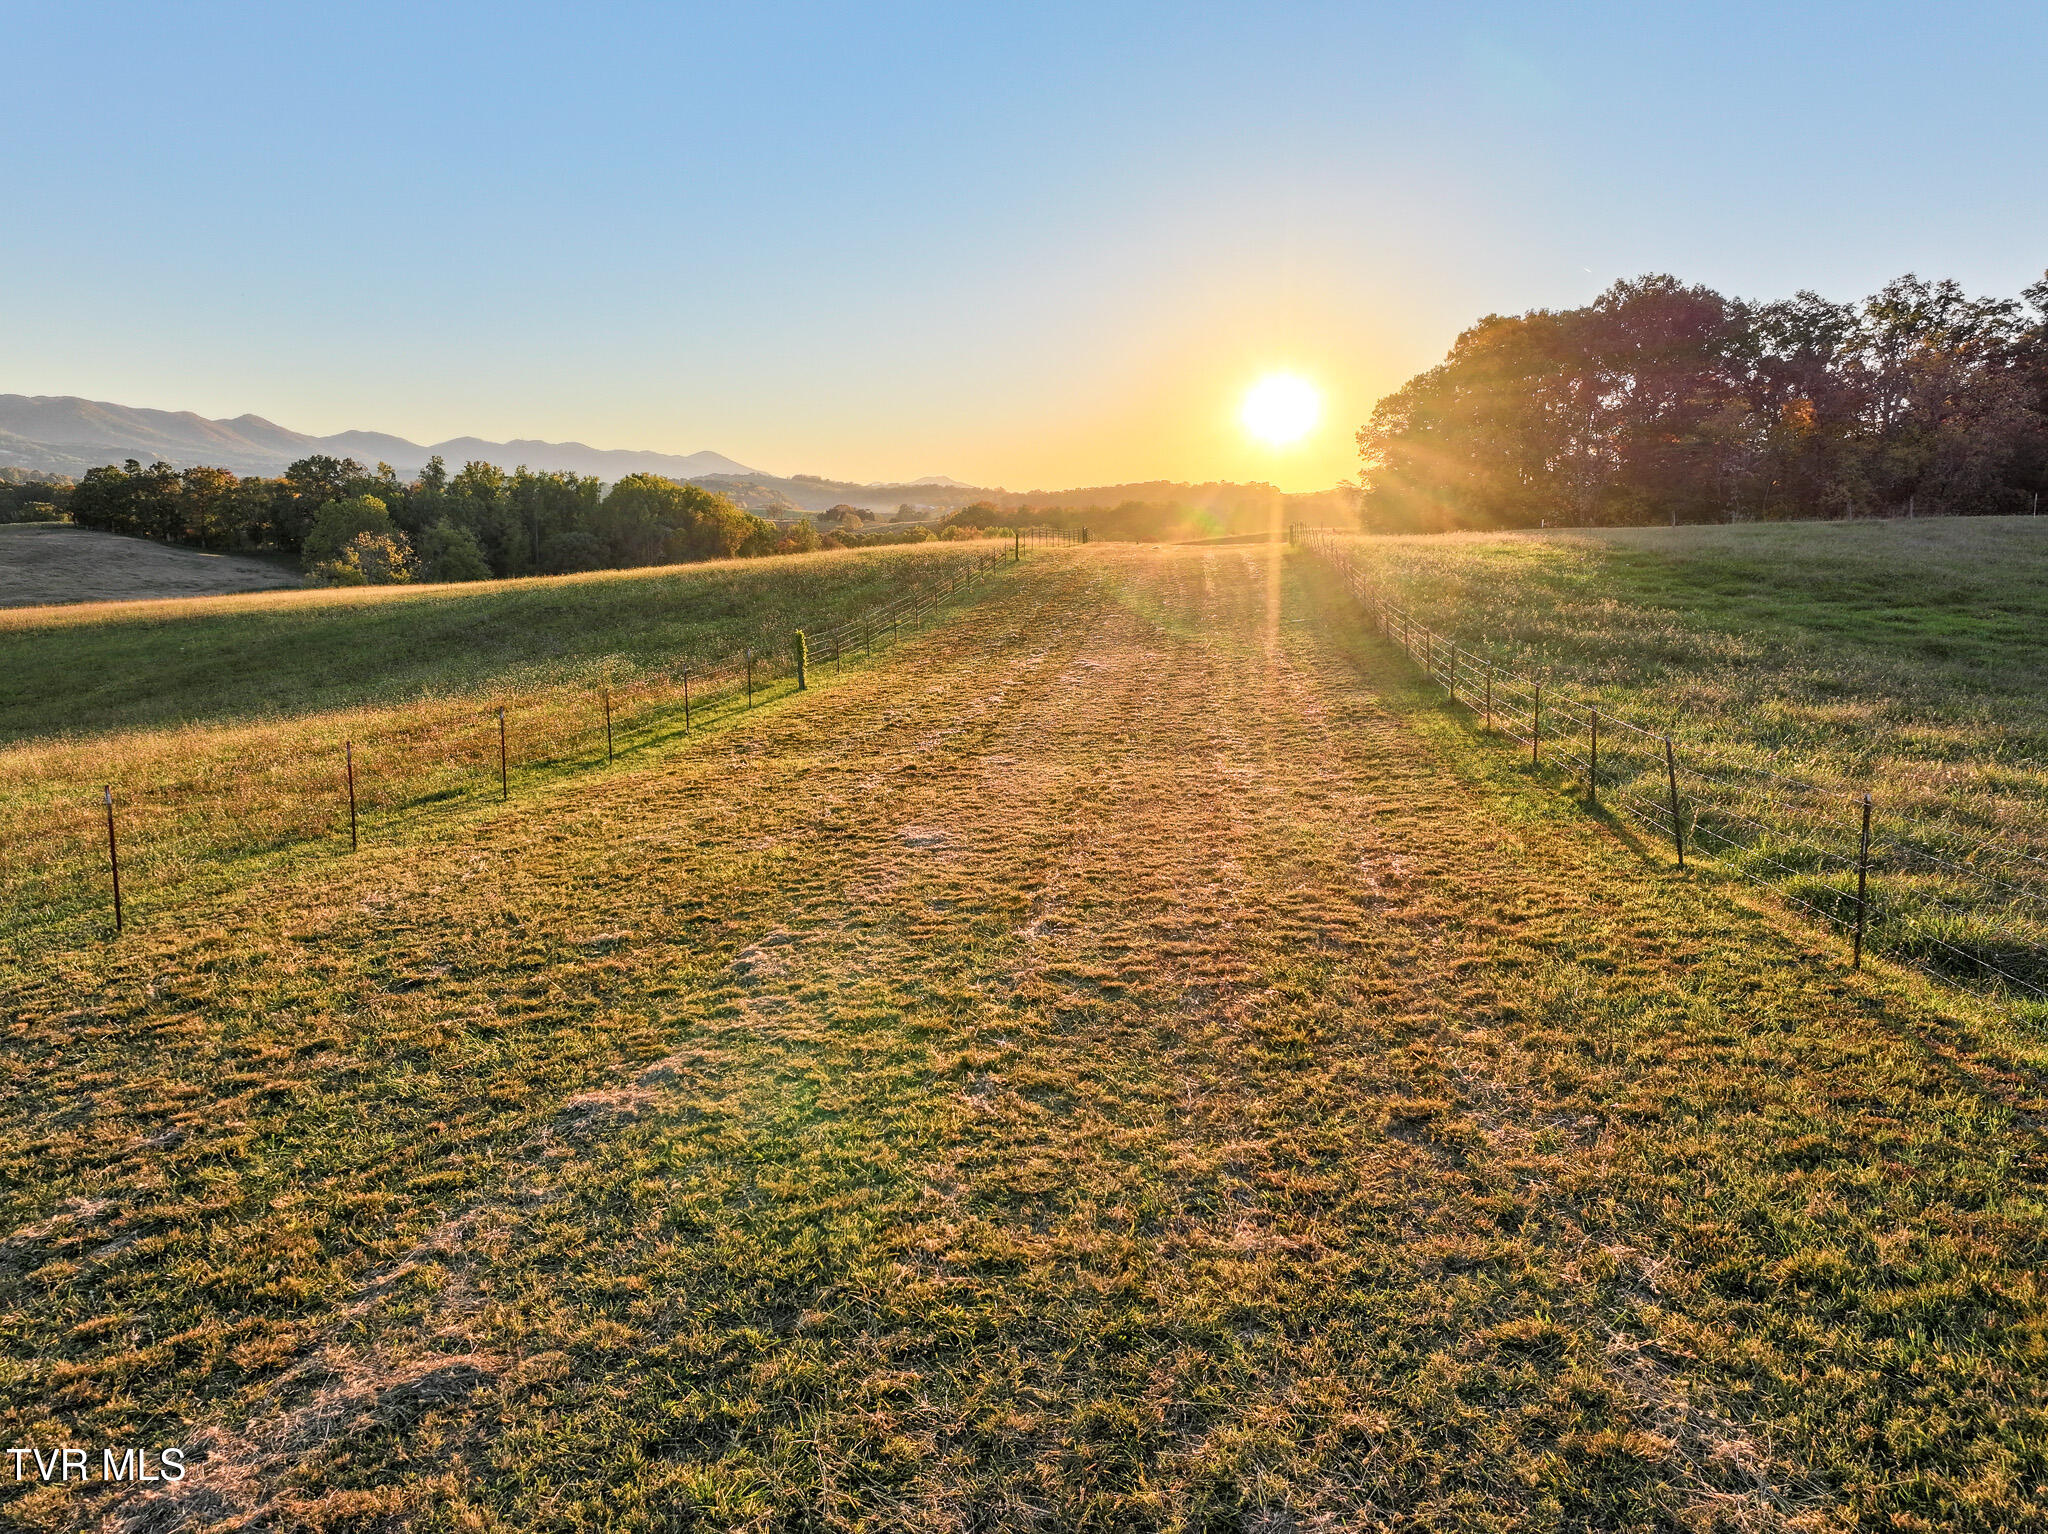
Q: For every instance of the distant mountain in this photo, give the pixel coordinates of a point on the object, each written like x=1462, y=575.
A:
x=48, y=434
x=61, y=434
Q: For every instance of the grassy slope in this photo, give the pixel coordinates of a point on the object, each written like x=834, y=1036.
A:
x=221, y=723
x=1891, y=653
x=1903, y=658
x=224, y=660
x=1127, y=1062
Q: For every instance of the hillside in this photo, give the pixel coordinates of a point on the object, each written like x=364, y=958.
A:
x=44, y=563
x=84, y=670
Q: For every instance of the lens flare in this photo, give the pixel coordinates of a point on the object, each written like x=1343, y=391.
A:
x=1281, y=408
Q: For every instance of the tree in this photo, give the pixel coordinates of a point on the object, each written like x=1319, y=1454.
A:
x=476, y=500
x=1663, y=400
x=800, y=539
x=649, y=520
x=450, y=552
x=313, y=482
x=339, y=523
x=368, y=559
x=212, y=509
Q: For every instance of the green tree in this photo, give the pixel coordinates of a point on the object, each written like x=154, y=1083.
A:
x=650, y=520
x=339, y=523
x=476, y=500
x=313, y=482
x=449, y=552
x=367, y=559
x=212, y=508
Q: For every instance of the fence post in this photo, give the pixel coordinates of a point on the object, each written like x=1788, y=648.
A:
x=1084, y=531
x=1489, y=697
x=1536, y=728
x=686, y=700
x=504, y=779
x=1593, y=761
x=350, y=747
x=609, y=758
x=803, y=662
x=750, y=676
x=114, y=858
x=1862, y=882
x=1671, y=777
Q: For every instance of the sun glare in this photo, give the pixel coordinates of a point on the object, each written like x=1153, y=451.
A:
x=1281, y=408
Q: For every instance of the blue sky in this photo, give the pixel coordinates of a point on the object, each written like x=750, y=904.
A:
x=1032, y=246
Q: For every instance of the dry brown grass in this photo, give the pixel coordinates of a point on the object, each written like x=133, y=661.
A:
x=1125, y=1064
x=44, y=563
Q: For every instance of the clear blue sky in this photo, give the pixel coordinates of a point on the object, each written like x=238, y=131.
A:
x=1035, y=246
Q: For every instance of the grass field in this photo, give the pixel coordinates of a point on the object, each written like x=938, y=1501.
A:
x=42, y=563
x=1904, y=658
x=78, y=671
x=1128, y=1060
x=222, y=724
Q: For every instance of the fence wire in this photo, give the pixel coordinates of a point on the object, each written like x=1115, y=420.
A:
x=173, y=812
x=1887, y=882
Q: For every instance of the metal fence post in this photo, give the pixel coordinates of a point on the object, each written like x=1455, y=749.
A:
x=609, y=758
x=1862, y=883
x=1671, y=777
x=350, y=747
x=114, y=857
x=1593, y=760
x=1536, y=728
x=750, y=676
x=686, y=700
x=504, y=778
x=1489, y=697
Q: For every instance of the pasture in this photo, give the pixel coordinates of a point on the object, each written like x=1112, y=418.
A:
x=227, y=728
x=1797, y=668
x=1128, y=1058
x=48, y=563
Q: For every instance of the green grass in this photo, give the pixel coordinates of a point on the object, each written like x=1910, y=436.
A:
x=269, y=692
x=1903, y=658
x=88, y=670
x=1130, y=1060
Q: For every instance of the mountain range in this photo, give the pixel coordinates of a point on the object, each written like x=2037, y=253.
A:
x=62, y=434
x=65, y=435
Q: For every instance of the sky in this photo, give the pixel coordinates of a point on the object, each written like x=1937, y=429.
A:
x=1031, y=246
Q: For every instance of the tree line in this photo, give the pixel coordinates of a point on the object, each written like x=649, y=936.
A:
x=1663, y=401
x=352, y=525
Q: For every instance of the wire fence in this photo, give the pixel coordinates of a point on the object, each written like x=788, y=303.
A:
x=1890, y=883
x=1027, y=536
x=181, y=804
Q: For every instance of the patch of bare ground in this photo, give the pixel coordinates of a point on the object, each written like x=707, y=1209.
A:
x=46, y=564
x=1106, y=1068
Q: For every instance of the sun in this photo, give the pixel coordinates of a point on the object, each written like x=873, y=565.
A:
x=1281, y=408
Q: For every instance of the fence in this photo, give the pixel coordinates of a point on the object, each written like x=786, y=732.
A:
x=1973, y=913
x=188, y=812
x=1026, y=536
